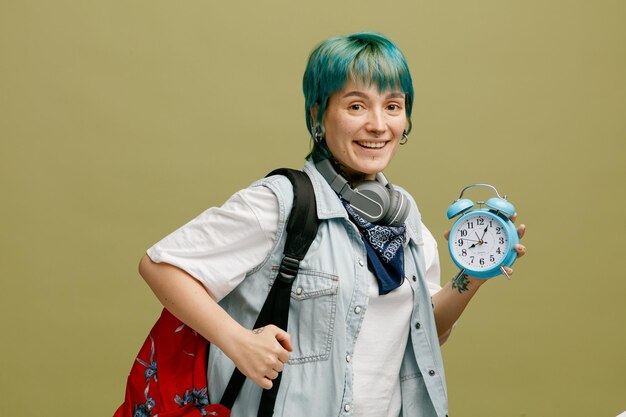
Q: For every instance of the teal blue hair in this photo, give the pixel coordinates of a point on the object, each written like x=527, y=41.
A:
x=365, y=57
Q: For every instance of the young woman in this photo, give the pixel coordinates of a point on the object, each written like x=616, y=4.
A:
x=367, y=313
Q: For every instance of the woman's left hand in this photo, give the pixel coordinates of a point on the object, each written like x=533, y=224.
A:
x=452, y=299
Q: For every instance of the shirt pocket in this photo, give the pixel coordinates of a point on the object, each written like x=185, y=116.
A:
x=312, y=312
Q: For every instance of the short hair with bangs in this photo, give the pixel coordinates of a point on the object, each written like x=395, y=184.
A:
x=365, y=57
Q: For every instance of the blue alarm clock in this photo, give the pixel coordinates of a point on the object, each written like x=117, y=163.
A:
x=482, y=240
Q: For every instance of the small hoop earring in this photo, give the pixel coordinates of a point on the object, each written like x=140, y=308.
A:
x=318, y=136
x=405, y=138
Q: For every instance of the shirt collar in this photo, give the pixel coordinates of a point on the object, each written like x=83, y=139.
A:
x=328, y=204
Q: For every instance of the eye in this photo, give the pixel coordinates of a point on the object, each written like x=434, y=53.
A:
x=394, y=107
x=355, y=107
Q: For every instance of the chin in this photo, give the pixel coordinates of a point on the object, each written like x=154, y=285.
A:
x=374, y=168
x=368, y=172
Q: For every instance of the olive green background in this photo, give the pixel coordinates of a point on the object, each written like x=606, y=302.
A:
x=120, y=121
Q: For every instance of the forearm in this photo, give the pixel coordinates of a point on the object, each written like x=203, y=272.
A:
x=190, y=302
x=451, y=300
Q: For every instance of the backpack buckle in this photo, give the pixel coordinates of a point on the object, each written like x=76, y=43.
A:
x=288, y=269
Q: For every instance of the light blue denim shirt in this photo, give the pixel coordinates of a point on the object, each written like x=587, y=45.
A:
x=328, y=301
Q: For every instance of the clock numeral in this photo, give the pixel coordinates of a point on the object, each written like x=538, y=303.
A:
x=464, y=252
x=498, y=230
x=463, y=233
x=471, y=259
x=460, y=242
x=501, y=240
x=482, y=261
x=492, y=258
x=498, y=251
x=470, y=225
x=480, y=221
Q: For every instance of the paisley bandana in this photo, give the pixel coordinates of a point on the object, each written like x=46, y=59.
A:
x=385, y=251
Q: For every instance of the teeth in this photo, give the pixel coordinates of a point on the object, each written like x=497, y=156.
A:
x=374, y=145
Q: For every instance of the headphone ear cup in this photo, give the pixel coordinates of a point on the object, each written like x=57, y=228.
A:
x=376, y=192
x=398, y=209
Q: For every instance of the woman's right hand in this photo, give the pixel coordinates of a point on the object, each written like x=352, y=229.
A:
x=261, y=354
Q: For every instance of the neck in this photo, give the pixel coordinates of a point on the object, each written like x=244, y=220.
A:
x=353, y=177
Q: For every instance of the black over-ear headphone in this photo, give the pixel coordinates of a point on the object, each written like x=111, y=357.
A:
x=376, y=201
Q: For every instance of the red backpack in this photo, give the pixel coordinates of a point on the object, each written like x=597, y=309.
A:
x=179, y=388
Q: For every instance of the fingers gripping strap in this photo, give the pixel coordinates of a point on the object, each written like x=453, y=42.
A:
x=301, y=230
x=275, y=311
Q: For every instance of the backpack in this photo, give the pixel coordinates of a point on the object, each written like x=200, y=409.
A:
x=169, y=375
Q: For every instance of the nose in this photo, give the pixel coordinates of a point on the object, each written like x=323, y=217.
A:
x=376, y=122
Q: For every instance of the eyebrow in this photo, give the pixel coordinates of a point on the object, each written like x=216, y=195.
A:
x=363, y=95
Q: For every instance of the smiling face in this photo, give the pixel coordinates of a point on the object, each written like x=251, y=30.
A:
x=363, y=128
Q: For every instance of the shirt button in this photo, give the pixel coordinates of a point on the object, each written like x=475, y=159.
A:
x=299, y=290
x=414, y=278
x=348, y=358
x=431, y=373
x=360, y=262
x=417, y=325
x=357, y=310
x=347, y=407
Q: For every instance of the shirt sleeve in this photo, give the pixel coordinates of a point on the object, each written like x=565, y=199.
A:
x=221, y=245
x=431, y=259
x=433, y=271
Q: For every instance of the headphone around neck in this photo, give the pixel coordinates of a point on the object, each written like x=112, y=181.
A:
x=374, y=200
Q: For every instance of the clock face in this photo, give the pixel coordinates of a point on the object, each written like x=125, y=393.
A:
x=479, y=241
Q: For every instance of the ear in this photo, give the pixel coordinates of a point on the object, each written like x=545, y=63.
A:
x=409, y=125
x=313, y=112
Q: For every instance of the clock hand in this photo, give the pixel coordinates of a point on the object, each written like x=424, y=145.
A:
x=477, y=243
x=480, y=239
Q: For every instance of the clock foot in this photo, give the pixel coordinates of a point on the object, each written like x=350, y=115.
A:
x=458, y=275
x=505, y=273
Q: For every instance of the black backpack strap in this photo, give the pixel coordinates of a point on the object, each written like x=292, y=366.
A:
x=301, y=231
x=302, y=224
